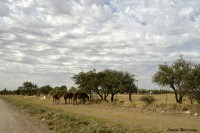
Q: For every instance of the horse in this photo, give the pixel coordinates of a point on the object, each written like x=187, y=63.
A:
x=68, y=96
x=80, y=96
x=56, y=98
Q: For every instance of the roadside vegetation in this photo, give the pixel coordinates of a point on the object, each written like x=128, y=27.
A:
x=121, y=115
x=62, y=121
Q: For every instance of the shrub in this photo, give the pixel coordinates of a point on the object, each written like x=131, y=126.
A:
x=148, y=99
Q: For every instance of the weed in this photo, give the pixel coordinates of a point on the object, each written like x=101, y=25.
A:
x=148, y=99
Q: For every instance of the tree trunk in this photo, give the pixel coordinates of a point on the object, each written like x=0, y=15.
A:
x=191, y=100
x=130, y=98
x=105, y=96
x=112, y=97
x=90, y=94
x=100, y=95
x=179, y=97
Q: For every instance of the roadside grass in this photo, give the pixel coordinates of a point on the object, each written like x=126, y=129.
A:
x=120, y=116
x=60, y=121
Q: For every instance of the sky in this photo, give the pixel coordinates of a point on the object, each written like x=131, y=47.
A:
x=48, y=41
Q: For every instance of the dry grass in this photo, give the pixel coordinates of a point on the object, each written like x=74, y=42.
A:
x=133, y=116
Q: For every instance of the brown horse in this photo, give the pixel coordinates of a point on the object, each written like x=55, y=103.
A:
x=56, y=98
x=80, y=96
x=68, y=96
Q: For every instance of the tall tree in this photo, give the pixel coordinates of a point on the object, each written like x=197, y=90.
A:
x=174, y=77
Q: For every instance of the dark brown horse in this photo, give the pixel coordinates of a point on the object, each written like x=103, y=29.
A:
x=68, y=96
x=80, y=96
x=56, y=98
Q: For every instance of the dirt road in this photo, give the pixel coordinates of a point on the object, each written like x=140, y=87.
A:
x=13, y=121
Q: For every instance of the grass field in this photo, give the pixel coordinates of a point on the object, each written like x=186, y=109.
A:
x=119, y=116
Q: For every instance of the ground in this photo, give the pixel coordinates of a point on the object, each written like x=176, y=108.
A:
x=140, y=117
x=15, y=121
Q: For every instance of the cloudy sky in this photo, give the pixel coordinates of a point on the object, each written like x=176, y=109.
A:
x=47, y=41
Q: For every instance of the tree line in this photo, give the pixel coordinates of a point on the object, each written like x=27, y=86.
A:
x=103, y=83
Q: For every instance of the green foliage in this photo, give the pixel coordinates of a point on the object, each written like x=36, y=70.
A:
x=105, y=82
x=72, y=90
x=147, y=99
x=6, y=92
x=86, y=81
x=178, y=76
x=45, y=89
x=61, y=90
x=28, y=88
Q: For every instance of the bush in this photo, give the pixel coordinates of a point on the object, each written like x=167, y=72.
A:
x=148, y=99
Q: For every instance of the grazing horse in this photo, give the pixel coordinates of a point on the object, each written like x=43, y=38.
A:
x=68, y=96
x=80, y=96
x=56, y=98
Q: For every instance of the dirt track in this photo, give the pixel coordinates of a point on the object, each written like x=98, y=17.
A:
x=13, y=121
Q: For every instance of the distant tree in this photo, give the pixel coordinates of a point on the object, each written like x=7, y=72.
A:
x=72, y=90
x=174, y=77
x=45, y=89
x=5, y=92
x=28, y=88
x=62, y=89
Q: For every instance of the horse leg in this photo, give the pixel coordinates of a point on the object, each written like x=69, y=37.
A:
x=70, y=100
x=65, y=101
x=83, y=100
x=53, y=100
x=58, y=101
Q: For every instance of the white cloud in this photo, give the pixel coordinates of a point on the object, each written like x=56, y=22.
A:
x=49, y=41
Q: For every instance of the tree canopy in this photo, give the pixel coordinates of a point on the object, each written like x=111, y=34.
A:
x=28, y=88
x=105, y=82
x=45, y=89
x=182, y=77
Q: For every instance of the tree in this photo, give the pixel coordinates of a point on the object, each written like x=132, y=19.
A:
x=192, y=83
x=196, y=78
x=28, y=88
x=72, y=90
x=118, y=81
x=174, y=77
x=45, y=89
x=128, y=84
x=88, y=82
x=62, y=89
x=109, y=82
x=105, y=82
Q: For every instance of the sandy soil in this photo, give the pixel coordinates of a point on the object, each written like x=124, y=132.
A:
x=13, y=121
